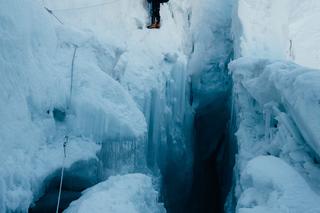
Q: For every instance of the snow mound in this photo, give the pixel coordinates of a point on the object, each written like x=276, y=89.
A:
x=273, y=186
x=132, y=193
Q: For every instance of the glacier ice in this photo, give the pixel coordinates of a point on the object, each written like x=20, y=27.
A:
x=157, y=103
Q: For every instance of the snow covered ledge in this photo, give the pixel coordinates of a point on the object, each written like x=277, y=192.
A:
x=132, y=193
x=271, y=185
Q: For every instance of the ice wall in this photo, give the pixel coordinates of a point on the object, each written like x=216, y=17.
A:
x=276, y=103
x=210, y=50
x=261, y=28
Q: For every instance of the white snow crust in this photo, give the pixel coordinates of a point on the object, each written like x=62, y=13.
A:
x=132, y=193
x=271, y=185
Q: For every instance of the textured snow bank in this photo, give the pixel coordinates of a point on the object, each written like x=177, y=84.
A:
x=276, y=103
x=271, y=185
x=132, y=193
x=288, y=85
x=278, y=29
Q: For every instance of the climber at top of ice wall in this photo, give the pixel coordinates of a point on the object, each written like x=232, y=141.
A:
x=141, y=63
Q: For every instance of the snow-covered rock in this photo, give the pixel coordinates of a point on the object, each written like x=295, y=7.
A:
x=132, y=193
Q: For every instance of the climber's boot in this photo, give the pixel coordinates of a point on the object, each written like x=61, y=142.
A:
x=153, y=23
x=157, y=24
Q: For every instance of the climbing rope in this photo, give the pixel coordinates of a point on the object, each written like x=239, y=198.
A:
x=71, y=79
x=86, y=7
x=66, y=140
x=66, y=137
x=51, y=12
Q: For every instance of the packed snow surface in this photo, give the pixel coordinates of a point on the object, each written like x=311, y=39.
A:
x=271, y=185
x=132, y=193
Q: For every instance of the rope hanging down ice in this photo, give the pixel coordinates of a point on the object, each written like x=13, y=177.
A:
x=51, y=11
x=66, y=137
x=66, y=140
x=87, y=7
x=71, y=78
x=84, y=7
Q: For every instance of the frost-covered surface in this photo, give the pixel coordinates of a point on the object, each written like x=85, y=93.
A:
x=132, y=193
x=271, y=185
x=277, y=103
x=286, y=85
x=278, y=29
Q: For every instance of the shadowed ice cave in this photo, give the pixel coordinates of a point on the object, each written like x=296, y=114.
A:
x=203, y=185
x=77, y=178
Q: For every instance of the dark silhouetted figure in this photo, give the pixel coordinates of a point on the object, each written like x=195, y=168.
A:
x=155, y=13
